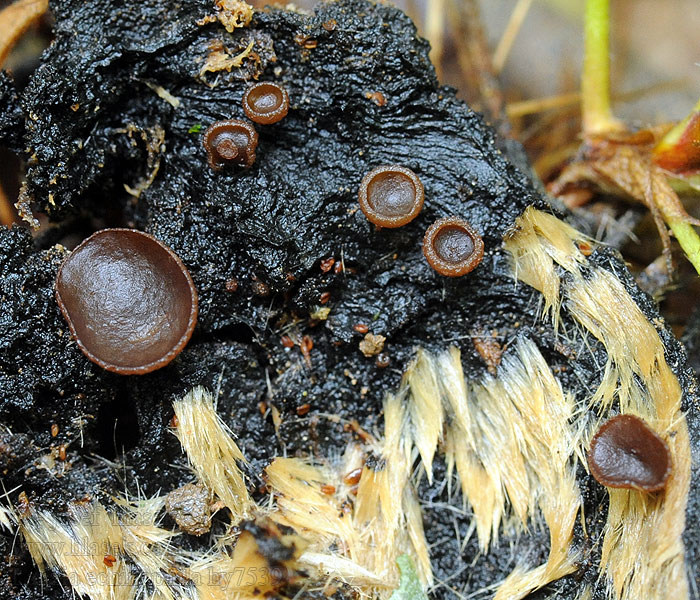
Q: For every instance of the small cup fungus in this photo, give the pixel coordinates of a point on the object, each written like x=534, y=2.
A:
x=128, y=299
x=266, y=103
x=626, y=453
x=452, y=247
x=230, y=142
x=391, y=196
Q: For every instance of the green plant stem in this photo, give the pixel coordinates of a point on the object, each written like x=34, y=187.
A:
x=688, y=239
x=595, y=79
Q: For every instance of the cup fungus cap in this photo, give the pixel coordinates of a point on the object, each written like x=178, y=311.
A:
x=391, y=196
x=452, y=247
x=626, y=453
x=230, y=142
x=129, y=301
x=266, y=103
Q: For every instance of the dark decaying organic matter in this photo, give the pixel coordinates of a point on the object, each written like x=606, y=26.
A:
x=276, y=224
x=128, y=299
x=189, y=506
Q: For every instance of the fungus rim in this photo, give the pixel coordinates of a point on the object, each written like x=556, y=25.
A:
x=267, y=117
x=446, y=267
x=626, y=420
x=390, y=222
x=216, y=162
x=181, y=342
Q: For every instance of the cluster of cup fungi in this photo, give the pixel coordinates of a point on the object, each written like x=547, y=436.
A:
x=129, y=301
x=234, y=141
x=392, y=196
x=132, y=306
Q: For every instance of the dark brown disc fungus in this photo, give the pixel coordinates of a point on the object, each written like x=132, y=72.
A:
x=452, y=247
x=626, y=453
x=266, y=103
x=391, y=196
x=230, y=142
x=129, y=301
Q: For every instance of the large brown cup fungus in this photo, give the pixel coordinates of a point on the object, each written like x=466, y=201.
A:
x=230, y=142
x=626, y=453
x=452, y=247
x=128, y=299
x=266, y=103
x=391, y=196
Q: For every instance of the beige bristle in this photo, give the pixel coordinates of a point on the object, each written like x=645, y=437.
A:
x=346, y=570
x=642, y=552
x=510, y=441
x=302, y=505
x=379, y=491
x=414, y=526
x=586, y=593
x=82, y=551
x=642, y=549
x=518, y=447
x=544, y=412
x=483, y=492
x=385, y=523
x=454, y=389
x=602, y=305
x=146, y=544
x=463, y=440
x=425, y=408
x=326, y=524
x=538, y=242
x=386, y=509
x=39, y=534
x=534, y=266
x=211, y=450
x=6, y=518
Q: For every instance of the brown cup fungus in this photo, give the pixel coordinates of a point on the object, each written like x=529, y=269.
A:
x=230, y=142
x=128, y=299
x=452, y=247
x=391, y=196
x=626, y=453
x=266, y=103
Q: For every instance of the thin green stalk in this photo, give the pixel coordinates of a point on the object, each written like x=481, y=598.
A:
x=688, y=239
x=595, y=79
